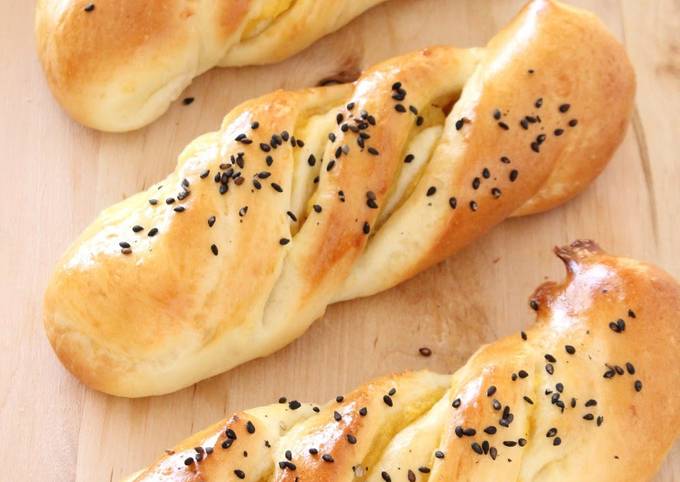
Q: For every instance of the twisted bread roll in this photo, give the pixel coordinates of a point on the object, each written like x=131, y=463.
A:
x=117, y=65
x=305, y=198
x=581, y=396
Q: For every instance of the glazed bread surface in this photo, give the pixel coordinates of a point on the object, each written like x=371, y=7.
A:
x=306, y=198
x=581, y=396
x=117, y=65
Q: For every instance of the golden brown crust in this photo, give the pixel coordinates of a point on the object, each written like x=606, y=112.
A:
x=587, y=385
x=119, y=65
x=354, y=217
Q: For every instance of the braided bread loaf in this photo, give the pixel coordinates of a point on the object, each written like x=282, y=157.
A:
x=117, y=65
x=580, y=396
x=305, y=198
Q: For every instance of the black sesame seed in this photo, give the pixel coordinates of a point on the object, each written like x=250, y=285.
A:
x=557, y=441
x=497, y=114
x=460, y=123
x=409, y=158
x=313, y=451
x=490, y=430
x=550, y=358
x=439, y=454
x=524, y=124
x=189, y=461
x=366, y=228
x=137, y=228
x=431, y=191
x=536, y=147
x=551, y=432
x=533, y=304
x=351, y=439
x=257, y=184
x=294, y=404
x=477, y=448
x=214, y=249
x=373, y=151
x=618, y=326
x=550, y=369
x=513, y=175
x=456, y=403
x=630, y=368
x=400, y=108
x=170, y=200
x=230, y=434
x=327, y=458
x=573, y=123
x=564, y=108
x=638, y=385
x=475, y=183
x=419, y=120
x=284, y=241
x=453, y=202
x=240, y=474
x=276, y=187
x=153, y=202
x=425, y=351
x=496, y=193
x=385, y=476
x=330, y=166
x=179, y=209
x=589, y=416
x=538, y=103
x=152, y=232
x=124, y=244
x=490, y=391
x=523, y=335
x=473, y=205
x=250, y=427
x=388, y=400
x=569, y=349
x=363, y=411
x=522, y=374
x=337, y=417
x=503, y=126
x=528, y=400
x=558, y=132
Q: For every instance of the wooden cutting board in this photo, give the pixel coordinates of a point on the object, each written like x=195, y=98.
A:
x=58, y=175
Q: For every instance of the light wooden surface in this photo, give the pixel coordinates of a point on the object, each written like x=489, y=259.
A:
x=58, y=175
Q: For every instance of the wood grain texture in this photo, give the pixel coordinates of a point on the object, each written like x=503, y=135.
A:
x=58, y=175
